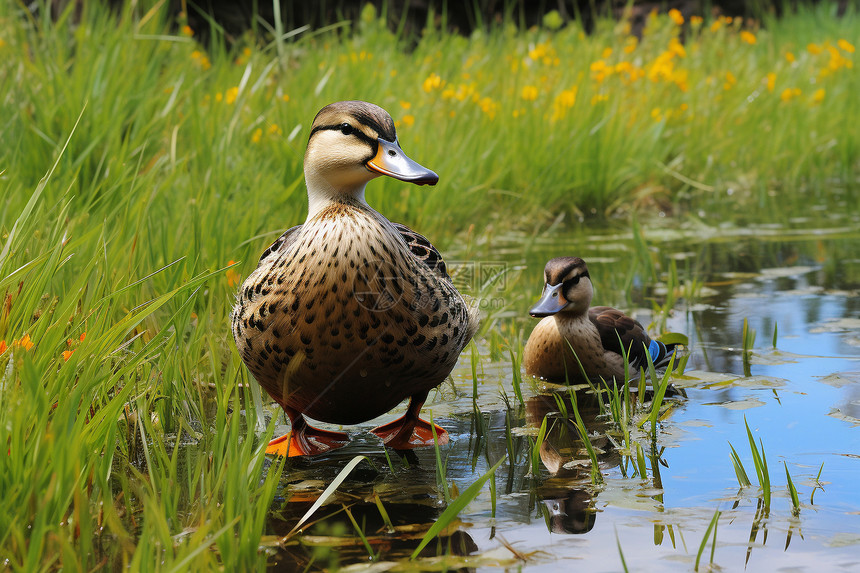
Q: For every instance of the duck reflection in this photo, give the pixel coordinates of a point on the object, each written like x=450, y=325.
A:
x=370, y=513
x=567, y=495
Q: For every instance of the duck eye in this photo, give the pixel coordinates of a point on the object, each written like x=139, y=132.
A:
x=346, y=129
x=574, y=281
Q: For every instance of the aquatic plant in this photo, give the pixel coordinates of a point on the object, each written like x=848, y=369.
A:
x=712, y=526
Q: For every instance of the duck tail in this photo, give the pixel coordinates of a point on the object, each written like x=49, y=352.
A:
x=660, y=353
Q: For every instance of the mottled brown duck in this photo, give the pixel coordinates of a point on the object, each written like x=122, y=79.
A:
x=599, y=336
x=349, y=314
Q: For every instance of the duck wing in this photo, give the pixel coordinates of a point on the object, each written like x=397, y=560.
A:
x=618, y=331
x=423, y=250
x=281, y=243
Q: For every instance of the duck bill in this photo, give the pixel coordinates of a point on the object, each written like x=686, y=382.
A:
x=390, y=160
x=550, y=302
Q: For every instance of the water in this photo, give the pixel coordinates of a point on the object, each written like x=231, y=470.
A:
x=802, y=400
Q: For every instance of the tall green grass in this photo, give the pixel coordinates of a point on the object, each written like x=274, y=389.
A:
x=137, y=164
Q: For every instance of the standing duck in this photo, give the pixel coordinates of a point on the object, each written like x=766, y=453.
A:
x=595, y=333
x=349, y=314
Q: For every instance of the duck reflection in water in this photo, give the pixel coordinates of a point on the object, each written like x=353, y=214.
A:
x=567, y=494
x=330, y=538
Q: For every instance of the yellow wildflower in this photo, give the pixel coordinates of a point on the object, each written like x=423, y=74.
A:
x=789, y=93
x=538, y=52
x=630, y=44
x=656, y=114
x=231, y=95
x=257, y=135
x=529, y=93
x=187, y=31
x=3, y=346
x=489, y=107
x=466, y=91
x=846, y=46
x=67, y=354
x=274, y=129
x=748, y=37
x=789, y=57
x=696, y=21
x=818, y=96
x=771, y=81
x=405, y=104
x=563, y=102
x=201, y=59
x=677, y=48
x=597, y=98
x=813, y=49
x=606, y=53
x=285, y=97
x=716, y=25
x=730, y=82
x=219, y=96
x=408, y=120
x=676, y=16
x=567, y=98
x=433, y=81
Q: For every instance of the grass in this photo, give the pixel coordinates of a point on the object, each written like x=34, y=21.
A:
x=137, y=169
x=712, y=526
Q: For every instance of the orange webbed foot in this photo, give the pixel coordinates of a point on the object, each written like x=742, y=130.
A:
x=307, y=441
x=407, y=432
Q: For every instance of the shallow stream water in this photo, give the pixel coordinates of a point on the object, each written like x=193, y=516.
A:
x=801, y=399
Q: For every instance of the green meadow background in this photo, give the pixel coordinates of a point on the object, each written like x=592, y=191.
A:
x=138, y=164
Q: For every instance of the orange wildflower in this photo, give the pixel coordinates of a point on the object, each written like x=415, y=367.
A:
x=3, y=346
x=233, y=277
x=25, y=342
x=67, y=354
x=748, y=37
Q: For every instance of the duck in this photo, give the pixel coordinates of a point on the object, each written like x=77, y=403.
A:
x=577, y=343
x=348, y=314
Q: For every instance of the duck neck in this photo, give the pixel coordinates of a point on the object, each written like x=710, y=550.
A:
x=322, y=193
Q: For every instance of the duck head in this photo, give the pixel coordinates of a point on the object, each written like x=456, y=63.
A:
x=567, y=288
x=352, y=142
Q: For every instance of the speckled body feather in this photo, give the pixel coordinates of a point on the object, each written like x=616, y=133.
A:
x=342, y=319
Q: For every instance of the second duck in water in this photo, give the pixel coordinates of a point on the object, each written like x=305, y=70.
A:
x=596, y=334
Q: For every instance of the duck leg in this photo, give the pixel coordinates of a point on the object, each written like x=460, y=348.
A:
x=305, y=440
x=410, y=431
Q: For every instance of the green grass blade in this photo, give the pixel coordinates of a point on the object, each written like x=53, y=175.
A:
x=327, y=492
x=711, y=526
x=740, y=472
x=455, y=507
x=792, y=491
